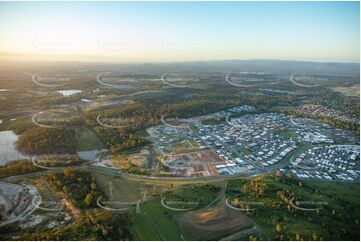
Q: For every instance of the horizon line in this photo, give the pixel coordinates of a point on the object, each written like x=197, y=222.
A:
x=177, y=61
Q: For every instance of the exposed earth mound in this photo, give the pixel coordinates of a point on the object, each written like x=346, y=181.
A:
x=214, y=223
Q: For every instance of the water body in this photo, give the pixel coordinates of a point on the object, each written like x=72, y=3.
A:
x=89, y=155
x=8, y=151
x=67, y=93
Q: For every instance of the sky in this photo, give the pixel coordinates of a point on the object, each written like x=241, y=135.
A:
x=179, y=31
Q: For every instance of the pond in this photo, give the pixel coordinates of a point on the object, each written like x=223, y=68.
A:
x=67, y=93
x=89, y=155
x=8, y=151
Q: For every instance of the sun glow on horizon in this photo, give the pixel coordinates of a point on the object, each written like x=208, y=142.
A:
x=164, y=31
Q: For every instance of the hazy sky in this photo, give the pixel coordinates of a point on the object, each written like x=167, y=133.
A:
x=168, y=31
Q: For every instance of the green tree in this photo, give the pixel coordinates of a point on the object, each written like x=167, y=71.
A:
x=89, y=199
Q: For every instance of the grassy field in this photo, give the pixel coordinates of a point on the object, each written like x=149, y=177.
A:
x=118, y=188
x=143, y=230
x=186, y=146
x=191, y=197
x=246, y=151
x=213, y=121
x=286, y=133
x=87, y=140
x=155, y=222
x=337, y=218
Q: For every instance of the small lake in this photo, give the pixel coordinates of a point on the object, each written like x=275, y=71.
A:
x=7, y=148
x=89, y=155
x=67, y=93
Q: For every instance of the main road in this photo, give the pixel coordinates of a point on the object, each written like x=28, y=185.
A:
x=93, y=167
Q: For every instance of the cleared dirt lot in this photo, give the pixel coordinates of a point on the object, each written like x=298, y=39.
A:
x=16, y=202
x=214, y=223
x=199, y=163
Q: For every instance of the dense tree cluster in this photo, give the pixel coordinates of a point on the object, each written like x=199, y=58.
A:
x=47, y=141
x=80, y=187
x=130, y=142
x=21, y=125
x=18, y=167
x=95, y=225
x=270, y=197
